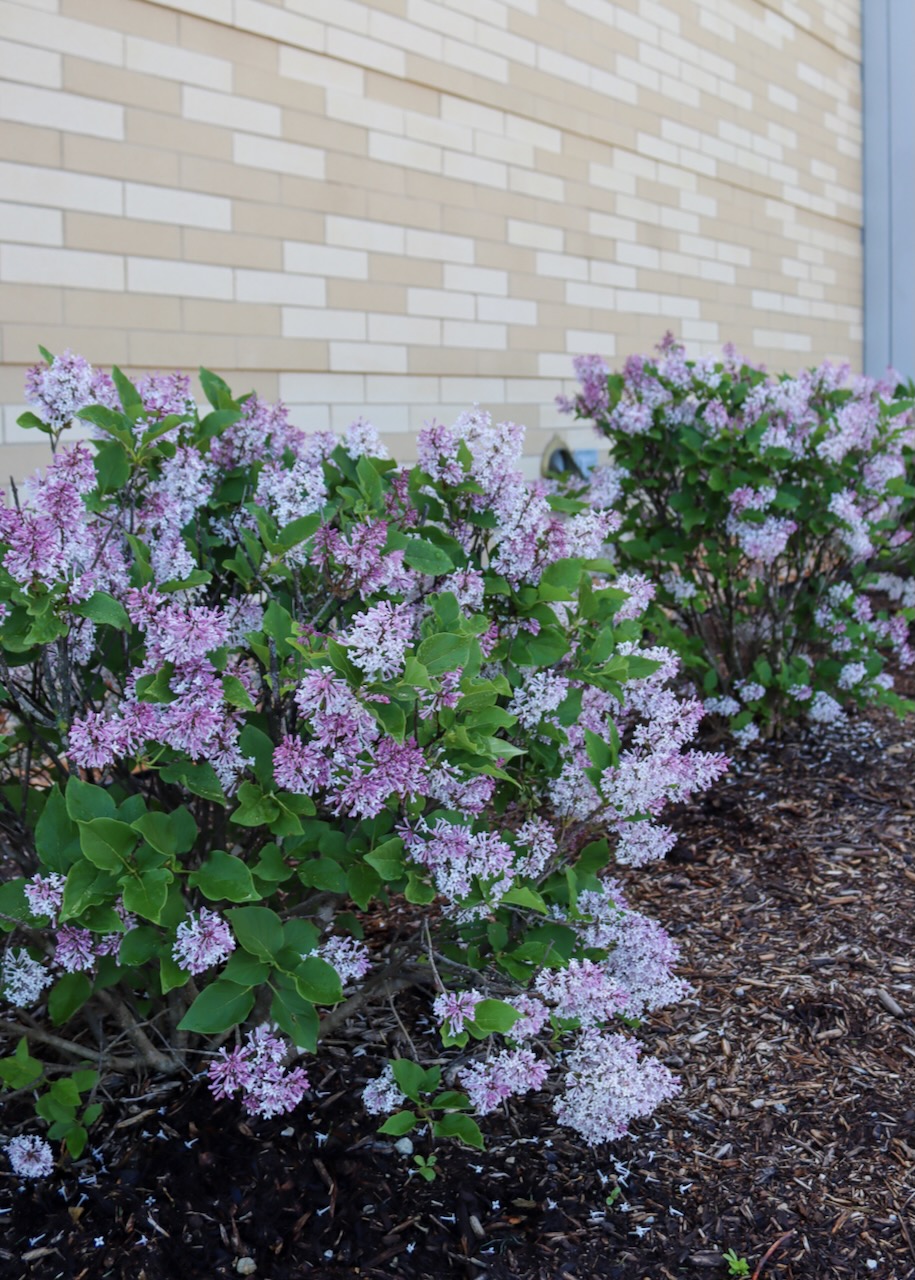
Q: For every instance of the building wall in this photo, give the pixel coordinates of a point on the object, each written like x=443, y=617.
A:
x=401, y=207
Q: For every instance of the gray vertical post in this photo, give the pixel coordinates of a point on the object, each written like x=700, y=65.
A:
x=888, y=32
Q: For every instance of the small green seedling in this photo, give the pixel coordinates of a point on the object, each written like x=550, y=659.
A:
x=614, y=1196
x=736, y=1266
x=425, y=1167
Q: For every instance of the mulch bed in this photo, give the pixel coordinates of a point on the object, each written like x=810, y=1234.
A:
x=793, y=1142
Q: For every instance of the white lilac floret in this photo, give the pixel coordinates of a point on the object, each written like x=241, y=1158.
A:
x=30, y=1157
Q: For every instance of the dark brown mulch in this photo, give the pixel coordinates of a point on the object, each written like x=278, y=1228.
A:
x=793, y=1142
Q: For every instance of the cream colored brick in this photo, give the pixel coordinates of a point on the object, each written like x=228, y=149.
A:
x=440, y=133
x=507, y=310
x=442, y=303
x=590, y=295
x=174, y=63
x=403, y=151
x=563, y=266
x=280, y=25
x=231, y=112
x=476, y=279
x=367, y=357
x=404, y=35
x=366, y=112
x=321, y=323
x=487, y=173
x=184, y=208
x=438, y=17
x=27, y=25
x=39, y=67
x=29, y=224
x=279, y=287
x=401, y=390
x=540, y=185
x=182, y=279
x=315, y=388
x=407, y=329
x=440, y=247
x=100, y=157
x=284, y=157
x=320, y=260
x=464, y=333
x=314, y=69
x=69, y=268
x=362, y=233
x=216, y=10
x=605, y=224
x=624, y=277
x=534, y=235
x=56, y=110
x=363, y=51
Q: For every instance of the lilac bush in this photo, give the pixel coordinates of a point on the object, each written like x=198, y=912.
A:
x=759, y=516
x=258, y=683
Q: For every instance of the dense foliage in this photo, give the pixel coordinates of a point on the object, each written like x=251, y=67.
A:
x=259, y=687
x=761, y=514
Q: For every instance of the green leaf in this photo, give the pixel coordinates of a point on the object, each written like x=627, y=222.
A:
x=451, y=1100
x=297, y=531
x=495, y=1015
x=138, y=945
x=106, y=842
x=171, y=975
x=85, y=802
x=112, y=467
x=418, y=890
x=387, y=859
x=244, y=970
x=224, y=876
x=86, y=886
x=259, y=930
x=369, y=481
x=157, y=830
x=13, y=902
x=318, y=981
x=20, y=1069
x=426, y=558
x=128, y=394
x=323, y=873
x=147, y=895
x=69, y=993
x=221, y=1006
x=100, y=607
x=362, y=884
x=409, y=1076
x=199, y=778
x=56, y=834
x=399, y=1123
x=443, y=652
x=255, y=809
x=215, y=390
x=456, y=1125
x=522, y=896
x=297, y=1017
x=236, y=694
x=599, y=752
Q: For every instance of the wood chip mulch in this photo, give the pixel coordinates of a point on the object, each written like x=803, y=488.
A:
x=791, y=893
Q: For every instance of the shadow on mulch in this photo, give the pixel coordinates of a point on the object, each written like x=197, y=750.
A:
x=791, y=893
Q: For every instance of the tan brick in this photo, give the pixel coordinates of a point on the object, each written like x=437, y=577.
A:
x=121, y=160
x=119, y=86
x=132, y=17
x=232, y=250
x=151, y=349
x=32, y=304
x=120, y=235
x=221, y=177
x=241, y=47
x=150, y=129
x=230, y=318
x=99, y=345
x=89, y=309
x=367, y=295
x=281, y=353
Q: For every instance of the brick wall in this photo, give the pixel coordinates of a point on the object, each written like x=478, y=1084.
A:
x=397, y=208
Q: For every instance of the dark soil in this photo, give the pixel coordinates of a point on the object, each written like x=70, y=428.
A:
x=792, y=1143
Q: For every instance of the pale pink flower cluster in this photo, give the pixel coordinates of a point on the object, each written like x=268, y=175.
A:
x=584, y=990
x=30, y=1157
x=202, y=940
x=607, y=1086
x=640, y=590
x=45, y=894
x=541, y=694
x=22, y=979
x=349, y=956
x=58, y=391
x=378, y=638
x=503, y=1075
x=257, y=1068
x=455, y=1008
x=383, y=1094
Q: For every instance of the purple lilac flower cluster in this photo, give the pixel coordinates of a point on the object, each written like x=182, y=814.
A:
x=257, y=1068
